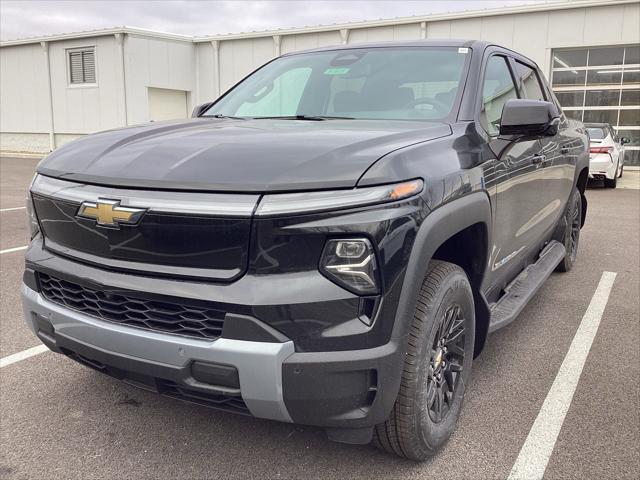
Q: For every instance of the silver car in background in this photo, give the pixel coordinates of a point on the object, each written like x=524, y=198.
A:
x=606, y=159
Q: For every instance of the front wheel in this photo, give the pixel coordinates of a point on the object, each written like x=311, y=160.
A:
x=437, y=366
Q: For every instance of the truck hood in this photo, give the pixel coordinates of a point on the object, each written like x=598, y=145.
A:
x=236, y=155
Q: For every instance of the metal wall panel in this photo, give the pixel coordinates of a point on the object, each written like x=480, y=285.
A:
x=155, y=62
x=238, y=58
x=86, y=108
x=23, y=90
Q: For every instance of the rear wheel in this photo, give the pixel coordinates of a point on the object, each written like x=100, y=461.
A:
x=437, y=366
x=611, y=183
x=571, y=238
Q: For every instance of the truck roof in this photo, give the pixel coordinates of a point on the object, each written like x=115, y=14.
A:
x=479, y=44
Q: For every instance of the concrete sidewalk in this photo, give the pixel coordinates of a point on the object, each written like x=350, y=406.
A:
x=630, y=179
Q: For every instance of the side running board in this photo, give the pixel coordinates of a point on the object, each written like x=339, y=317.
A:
x=524, y=286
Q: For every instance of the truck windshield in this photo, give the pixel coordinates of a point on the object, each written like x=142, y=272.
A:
x=406, y=83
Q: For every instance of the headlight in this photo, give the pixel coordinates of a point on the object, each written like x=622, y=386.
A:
x=34, y=228
x=351, y=263
x=32, y=220
x=303, y=202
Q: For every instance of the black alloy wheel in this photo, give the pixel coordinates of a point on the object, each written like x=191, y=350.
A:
x=447, y=363
x=437, y=366
x=572, y=226
x=575, y=230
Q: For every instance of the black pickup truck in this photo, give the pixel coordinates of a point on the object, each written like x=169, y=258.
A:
x=328, y=243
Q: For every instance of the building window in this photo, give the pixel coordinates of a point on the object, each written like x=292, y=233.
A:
x=82, y=65
x=601, y=85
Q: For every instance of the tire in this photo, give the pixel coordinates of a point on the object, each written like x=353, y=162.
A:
x=416, y=427
x=611, y=183
x=621, y=170
x=571, y=237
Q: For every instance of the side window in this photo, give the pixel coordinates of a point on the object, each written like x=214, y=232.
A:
x=498, y=87
x=530, y=83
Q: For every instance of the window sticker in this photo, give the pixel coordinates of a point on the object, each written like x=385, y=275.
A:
x=463, y=50
x=336, y=71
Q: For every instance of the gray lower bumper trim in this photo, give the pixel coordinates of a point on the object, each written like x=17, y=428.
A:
x=259, y=364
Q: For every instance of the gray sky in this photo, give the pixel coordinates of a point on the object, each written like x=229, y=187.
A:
x=19, y=19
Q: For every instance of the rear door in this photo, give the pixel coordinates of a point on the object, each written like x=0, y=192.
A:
x=557, y=165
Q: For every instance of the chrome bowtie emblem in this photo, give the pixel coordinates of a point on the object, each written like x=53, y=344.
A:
x=109, y=213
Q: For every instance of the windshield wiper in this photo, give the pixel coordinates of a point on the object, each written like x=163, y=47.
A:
x=217, y=115
x=304, y=117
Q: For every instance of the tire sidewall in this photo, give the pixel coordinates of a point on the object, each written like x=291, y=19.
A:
x=570, y=257
x=612, y=182
x=454, y=290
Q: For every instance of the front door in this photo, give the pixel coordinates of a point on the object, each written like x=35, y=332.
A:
x=521, y=195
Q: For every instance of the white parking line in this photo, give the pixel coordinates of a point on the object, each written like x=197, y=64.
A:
x=536, y=451
x=12, y=209
x=23, y=355
x=14, y=249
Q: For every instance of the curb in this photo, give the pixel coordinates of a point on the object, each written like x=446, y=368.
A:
x=5, y=153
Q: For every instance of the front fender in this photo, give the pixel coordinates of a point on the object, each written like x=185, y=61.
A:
x=440, y=225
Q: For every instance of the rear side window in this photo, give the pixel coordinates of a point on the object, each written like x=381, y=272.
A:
x=498, y=87
x=529, y=81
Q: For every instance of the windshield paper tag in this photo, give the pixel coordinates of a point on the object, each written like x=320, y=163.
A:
x=463, y=50
x=336, y=71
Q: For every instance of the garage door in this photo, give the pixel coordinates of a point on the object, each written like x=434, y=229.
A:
x=602, y=85
x=167, y=104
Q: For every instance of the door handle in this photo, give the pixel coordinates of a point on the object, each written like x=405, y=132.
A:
x=537, y=159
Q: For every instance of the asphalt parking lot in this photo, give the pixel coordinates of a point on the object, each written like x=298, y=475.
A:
x=61, y=420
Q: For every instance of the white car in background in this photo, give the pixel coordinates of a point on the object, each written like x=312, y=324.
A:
x=606, y=160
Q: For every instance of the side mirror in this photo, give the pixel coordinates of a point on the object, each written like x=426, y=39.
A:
x=625, y=140
x=200, y=109
x=531, y=118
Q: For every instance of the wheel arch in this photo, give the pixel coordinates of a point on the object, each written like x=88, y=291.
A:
x=581, y=184
x=457, y=232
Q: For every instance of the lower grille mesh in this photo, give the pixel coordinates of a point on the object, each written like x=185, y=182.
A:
x=160, y=316
x=223, y=402
x=167, y=388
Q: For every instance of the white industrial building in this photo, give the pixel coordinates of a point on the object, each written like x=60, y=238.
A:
x=56, y=88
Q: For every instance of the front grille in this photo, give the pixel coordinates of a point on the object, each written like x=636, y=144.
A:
x=160, y=316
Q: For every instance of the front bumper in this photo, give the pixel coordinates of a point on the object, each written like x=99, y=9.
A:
x=344, y=391
x=148, y=359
